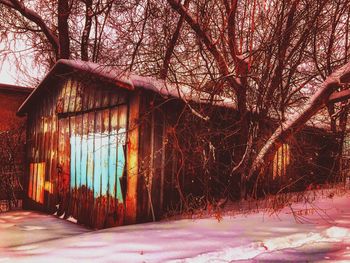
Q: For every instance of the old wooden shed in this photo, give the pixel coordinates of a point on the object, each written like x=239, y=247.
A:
x=111, y=148
x=97, y=144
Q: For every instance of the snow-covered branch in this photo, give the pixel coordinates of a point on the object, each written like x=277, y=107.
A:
x=295, y=123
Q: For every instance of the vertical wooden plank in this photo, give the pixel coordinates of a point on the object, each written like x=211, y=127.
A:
x=132, y=157
x=104, y=167
x=105, y=97
x=67, y=95
x=163, y=156
x=60, y=163
x=144, y=154
x=121, y=179
x=85, y=93
x=121, y=141
x=73, y=96
x=73, y=166
x=29, y=163
x=53, y=98
x=97, y=168
x=31, y=177
x=97, y=155
x=48, y=157
x=151, y=170
x=112, y=168
x=83, y=209
x=113, y=98
x=45, y=145
x=37, y=152
x=97, y=96
x=41, y=154
x=78, y=155
x=41, y=180
x=64, y=166
x=73, y=176
x=54, y=160
x=90, y=165
x=105, y=153
x=78, y=96
x=35, y=185
x=157, y=162
x=91, y=95
x=29, y=157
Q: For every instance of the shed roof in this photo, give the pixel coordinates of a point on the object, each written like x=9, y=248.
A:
x=15, y=88
x=125, y=80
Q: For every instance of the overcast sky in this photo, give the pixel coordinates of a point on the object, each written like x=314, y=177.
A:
x=7, y=74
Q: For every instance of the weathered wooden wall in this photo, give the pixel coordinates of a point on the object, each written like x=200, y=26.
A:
x=76, y=152
x=307, y=160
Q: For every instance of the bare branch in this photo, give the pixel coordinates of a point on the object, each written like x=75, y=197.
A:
x=36, y=18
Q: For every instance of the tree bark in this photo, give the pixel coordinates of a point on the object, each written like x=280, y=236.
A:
x=171, y=46
x=84, y=48
x=63, y=29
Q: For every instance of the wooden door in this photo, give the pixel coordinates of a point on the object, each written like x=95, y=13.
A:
x=63, y=167
x=97, y=166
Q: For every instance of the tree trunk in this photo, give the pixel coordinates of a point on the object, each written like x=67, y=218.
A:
x=86, y=32
x=171, y=46
x=63, y=29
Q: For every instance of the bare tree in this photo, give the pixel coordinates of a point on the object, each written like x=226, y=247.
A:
x=269, y=57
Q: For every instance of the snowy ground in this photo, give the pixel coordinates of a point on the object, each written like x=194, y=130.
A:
x=34, y=237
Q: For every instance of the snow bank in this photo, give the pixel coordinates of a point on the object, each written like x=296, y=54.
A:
x=203, y=240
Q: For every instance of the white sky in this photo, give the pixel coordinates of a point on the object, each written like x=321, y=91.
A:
x=7, y=73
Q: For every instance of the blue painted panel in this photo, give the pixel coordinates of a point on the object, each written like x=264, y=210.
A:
x=120, y=161
x=90, y=161
x=78, y=161
x=104, y=163
x=84, y=158
x=112, y=163
x=97, y=165
x=72, y=162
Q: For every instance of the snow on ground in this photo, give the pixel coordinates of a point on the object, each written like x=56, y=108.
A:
x=34, y=237
x=27, y=228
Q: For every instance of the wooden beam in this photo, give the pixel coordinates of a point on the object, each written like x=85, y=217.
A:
x=339, y=96
x=132, y=158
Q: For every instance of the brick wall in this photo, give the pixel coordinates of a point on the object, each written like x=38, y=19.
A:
x=11, y=97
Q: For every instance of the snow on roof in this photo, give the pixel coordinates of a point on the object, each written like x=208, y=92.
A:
x=182, y=92
x=110, y=73
x=131, y=82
